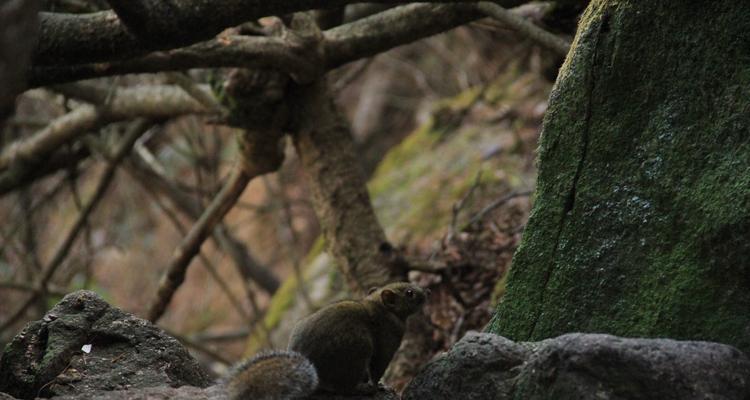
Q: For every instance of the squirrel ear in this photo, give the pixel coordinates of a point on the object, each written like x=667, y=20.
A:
x=372, y=290
x=388, y=296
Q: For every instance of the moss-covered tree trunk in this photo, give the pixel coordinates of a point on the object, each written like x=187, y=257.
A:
x=642, y=220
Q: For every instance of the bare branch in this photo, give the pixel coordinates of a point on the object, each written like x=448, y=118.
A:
x=147, y=101
x=391, y=28
x=495, y=204
x=233, y=300
x=136, y=130
x=191, y=244
x=229, y=51
x=195, y=344
x=519, y=24
x=23, y=174
x=86, y=91
x=343, y=44
x=260, y=155
x=148, y=175
x=151, y=25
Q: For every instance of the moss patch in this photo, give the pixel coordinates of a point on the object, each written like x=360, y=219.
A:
x=643, y=210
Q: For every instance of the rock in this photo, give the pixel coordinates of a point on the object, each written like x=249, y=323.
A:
x=215, y=392
x=479, y=366
x=584, y=366
x=127, y=352
x=129, y=358
x=153, y=393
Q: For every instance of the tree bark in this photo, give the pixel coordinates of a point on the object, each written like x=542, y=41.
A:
x=18, y=31
x=642, y=217
x=353, y=234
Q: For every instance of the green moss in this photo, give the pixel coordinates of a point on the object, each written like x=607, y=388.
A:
x=642, y=215
x=499, y=290
x=413, y=195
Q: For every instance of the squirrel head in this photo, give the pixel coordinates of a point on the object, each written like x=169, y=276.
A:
x=401, y=298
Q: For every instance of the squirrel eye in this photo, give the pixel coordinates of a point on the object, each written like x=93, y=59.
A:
x=409, y=293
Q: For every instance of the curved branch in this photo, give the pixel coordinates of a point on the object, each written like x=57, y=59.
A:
x=152, y=25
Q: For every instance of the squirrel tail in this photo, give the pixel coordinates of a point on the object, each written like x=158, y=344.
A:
x=277, y=375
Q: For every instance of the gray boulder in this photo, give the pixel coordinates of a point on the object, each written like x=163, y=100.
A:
x=584, y=366
x=127, y=352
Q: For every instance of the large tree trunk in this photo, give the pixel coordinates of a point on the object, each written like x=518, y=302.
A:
x=18, y=31
x=642, y=221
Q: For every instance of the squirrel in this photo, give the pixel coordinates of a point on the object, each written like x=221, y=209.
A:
x=343, y=348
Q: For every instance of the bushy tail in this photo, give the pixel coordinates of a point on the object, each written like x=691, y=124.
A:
x=274, y=375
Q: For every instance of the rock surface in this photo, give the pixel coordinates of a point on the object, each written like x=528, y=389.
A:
x=584, y=366
x=128, y=358
x=46, y=358
x=216, y=392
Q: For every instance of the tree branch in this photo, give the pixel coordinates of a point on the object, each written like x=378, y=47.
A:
x=23, y=174
x=229, y=51
x=343, y=44
x=154, y=102
x=260, y=155
x=18, y=30
x=391, y=28
x=148, y=25
x=191, y=244
x=248, y=266
x=354, y=236
x=526, y=28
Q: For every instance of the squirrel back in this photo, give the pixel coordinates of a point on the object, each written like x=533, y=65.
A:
x=273, y=375
x=351, y=342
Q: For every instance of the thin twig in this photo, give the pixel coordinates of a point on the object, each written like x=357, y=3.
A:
x=495, y=204
x=526, y=28
x=220, y=337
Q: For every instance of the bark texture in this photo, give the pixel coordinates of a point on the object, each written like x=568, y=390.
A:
x=18, y=30
x=642, y=217
x=353, y=234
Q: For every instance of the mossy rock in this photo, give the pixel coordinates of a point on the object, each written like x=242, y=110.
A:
x=642, y=214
